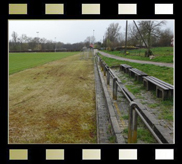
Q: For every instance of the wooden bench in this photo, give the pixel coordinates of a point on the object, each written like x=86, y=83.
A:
x=125, y=67
x=133, y=72
x=163, y=89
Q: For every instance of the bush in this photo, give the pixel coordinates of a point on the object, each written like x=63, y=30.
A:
x=127, y=53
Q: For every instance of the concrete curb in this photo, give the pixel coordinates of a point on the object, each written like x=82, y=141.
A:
x=115, y=125
x=96, y=105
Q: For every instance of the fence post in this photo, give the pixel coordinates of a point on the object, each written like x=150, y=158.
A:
x=134, y=135
x=108, y=76
x=120, y=68
x=115, y=88
x=132, y=125
x=102, y=65
x=105, y=69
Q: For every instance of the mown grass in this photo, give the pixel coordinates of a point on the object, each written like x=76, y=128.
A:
x=162, y=54
x=21, y=61
x=53, y=103
x=160, y=72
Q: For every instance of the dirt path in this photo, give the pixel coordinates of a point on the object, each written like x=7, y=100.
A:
x=136, y=61
x=53, y=103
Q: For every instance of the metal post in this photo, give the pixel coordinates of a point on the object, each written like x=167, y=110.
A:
x=38, y=40
x=134, y=134
x=105, y=70
x=115, y=88
x=132, y=126
x=120, y=68
x=108, y=76
x=130, y=123
x=126, y=36
x=102, y=65
x=55, y=44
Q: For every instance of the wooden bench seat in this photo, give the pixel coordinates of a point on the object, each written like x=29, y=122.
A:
x=163, y=89
x=125, y=67
x=133, y=72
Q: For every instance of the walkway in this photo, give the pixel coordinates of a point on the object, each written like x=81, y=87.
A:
x=136, y=61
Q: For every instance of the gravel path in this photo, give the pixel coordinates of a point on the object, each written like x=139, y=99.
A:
x=135, y=61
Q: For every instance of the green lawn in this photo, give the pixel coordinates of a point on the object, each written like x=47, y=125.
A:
x=160, y=72
x=22, y=61
x=162, y=54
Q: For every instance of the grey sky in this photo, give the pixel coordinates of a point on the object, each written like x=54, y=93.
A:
x=68, y=31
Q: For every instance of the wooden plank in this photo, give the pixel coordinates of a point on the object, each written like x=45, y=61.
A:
x=169, y=85
x=138, y=73
x=126, y=66
x=156, y=83
x=160, y=82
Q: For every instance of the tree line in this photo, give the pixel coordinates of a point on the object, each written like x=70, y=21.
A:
x=25, y=43
x=141, y=34
x=149, y=32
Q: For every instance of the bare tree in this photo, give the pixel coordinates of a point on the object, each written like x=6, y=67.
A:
x=14, y=37
x=165, y=37
x=89, y=40
x=150, y=29
x=113, y=35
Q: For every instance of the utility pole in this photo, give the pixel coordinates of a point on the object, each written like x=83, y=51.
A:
x=38, y=39
x=140, y=34
x=93, y=37
x=126, y=36
x=103, y=42
x=55, y=44
x=148, y=52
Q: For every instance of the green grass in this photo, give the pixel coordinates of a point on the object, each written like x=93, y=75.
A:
x=133, y=89
x=143, y=134
x=125, y=117
x=21, y=61
x=112, y=139
x=162, y=54
x=160, y=72
x=166, y=112
x=154, y=105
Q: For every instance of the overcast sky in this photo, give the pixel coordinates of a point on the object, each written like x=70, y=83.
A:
x=68, y=31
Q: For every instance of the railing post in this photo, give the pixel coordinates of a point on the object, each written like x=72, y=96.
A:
x=101, y=64
x=105, y=67
x=108, y=76
x=120, y=68
x=134, y=135
x=115, y=87
x=132, y=125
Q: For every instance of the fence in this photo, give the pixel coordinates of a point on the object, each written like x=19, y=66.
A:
x=135, y=110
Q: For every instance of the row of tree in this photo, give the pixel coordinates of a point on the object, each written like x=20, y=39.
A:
x=25, y=43
x=144, y=33
x=149, y=32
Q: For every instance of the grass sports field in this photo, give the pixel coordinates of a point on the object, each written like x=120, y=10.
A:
x=21, y=61
x=52, y=102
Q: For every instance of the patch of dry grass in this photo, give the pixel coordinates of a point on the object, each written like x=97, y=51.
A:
x=53, y=103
